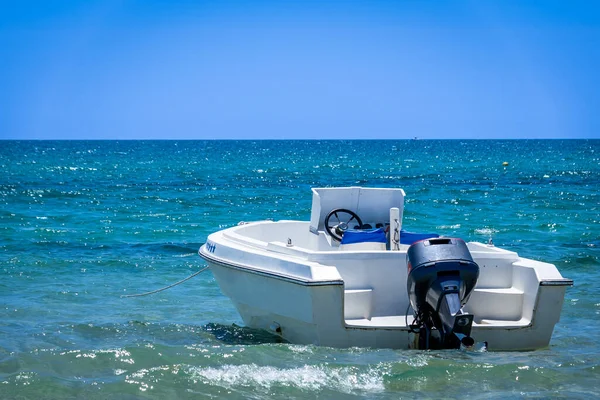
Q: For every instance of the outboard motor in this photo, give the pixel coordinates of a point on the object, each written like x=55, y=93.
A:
x=441, y=277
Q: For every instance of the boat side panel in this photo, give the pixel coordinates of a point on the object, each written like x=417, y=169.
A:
x=263, y=292
x=304, y=314
x=384, y=273
x=536, y=334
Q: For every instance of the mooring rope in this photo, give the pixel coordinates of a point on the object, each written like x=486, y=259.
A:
x=166, y=287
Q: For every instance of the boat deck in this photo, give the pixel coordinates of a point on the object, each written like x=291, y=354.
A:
x=400, y=322
x=389, y=321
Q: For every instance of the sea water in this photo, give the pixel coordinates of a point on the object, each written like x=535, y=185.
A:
x=84, y=222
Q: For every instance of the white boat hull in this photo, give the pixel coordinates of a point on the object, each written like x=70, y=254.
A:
x=306, y=313
x=302, y=313
x=291, y=278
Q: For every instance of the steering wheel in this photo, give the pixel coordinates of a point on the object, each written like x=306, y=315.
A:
x=336, y=222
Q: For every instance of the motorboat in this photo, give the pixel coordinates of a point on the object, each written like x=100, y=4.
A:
x=353, y=276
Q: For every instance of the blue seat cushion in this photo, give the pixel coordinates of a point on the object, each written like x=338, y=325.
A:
x=362, y=236
x=412, y=237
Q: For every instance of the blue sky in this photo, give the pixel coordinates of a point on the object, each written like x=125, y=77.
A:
x=178, y=69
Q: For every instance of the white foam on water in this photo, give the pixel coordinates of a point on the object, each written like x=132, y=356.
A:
x=486, y=231
x=185, y=255
x=455, y=226
x=307, y=377
x=419, y=360
x=301, y=349
x=144, y=379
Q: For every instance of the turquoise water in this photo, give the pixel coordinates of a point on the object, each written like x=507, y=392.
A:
x=82, y=223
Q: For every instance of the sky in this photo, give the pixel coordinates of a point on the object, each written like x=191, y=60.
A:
x=370, y=69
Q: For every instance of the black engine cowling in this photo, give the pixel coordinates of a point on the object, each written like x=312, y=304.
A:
x=441, y=277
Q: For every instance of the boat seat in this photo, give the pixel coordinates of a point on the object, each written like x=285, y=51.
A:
x=369, y=239
x=412, y=237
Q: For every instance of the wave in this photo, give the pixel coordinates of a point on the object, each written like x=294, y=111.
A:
x=345, y=379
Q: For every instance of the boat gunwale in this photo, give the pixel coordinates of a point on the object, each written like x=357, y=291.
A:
x=270, y=274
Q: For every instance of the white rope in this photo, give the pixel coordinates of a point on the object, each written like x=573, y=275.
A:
x=166, y=287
